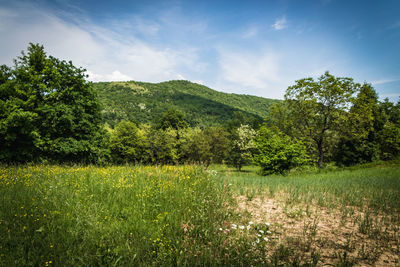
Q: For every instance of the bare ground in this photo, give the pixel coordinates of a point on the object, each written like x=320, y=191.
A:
x=346, y=236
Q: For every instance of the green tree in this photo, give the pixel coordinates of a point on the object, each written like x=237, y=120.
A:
x=195, y=147
x=277, y=152
x=162, y=146
x=358, y=142
x=174, y=119
x=217, y=137
x=242, y=146
x=127, y=144
x=314, y=110
x=48, y=111
x=389, y=136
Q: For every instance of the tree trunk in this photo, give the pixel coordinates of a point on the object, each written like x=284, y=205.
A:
x=320, y=155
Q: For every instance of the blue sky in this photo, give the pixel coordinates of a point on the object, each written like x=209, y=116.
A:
x=246, y=47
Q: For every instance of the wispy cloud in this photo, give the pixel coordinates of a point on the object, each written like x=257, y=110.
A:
x=394, y=25
x=280, y=24
x=250, y=32
x=106, y=53
x=384, y=81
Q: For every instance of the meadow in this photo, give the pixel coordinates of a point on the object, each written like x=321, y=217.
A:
x=189, y=215
x=339, y=217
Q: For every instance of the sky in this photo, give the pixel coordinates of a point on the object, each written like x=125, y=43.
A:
x=244, y=47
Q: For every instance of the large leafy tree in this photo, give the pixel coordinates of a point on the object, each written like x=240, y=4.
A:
x=47, y=111
x=313, y=109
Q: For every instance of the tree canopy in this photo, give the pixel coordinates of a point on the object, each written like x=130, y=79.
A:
x=313, y=110
x=47, y=111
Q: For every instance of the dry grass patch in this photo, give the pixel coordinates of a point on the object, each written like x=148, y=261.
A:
x=304, y=233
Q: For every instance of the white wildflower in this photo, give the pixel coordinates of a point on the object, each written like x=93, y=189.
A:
x=241, y=227
x=258, y=241
x=267, y=224
x=250, y=222
x=266, y=239
x=261, y=231
x=248, y=227
x=220, y=229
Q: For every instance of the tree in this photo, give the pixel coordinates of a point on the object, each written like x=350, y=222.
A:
x=358, y=142
x=219, y=143
x=389, y=136
x=127, y=144
x=162, y=146
x=48, y=111
x=174, y=119
x=314, y=110
x=195, y=147
x=276, y=152
x=241, y=147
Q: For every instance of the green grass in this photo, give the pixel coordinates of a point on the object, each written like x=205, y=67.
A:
x=185, y=215
x=372, y=187
x=52, y=215
x=360, y=204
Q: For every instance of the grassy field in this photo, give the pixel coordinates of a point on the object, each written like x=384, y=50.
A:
x=186, y=215
x=342, y=217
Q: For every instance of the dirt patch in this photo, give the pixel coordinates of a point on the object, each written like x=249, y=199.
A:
x=333, y=236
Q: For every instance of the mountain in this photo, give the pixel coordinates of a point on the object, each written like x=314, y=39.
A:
x=145, y=102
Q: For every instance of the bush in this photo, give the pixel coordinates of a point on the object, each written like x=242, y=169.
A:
x=276, y=152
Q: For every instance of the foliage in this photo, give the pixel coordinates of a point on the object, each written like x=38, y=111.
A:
x=174, y=119
x=314, y=110
x=202, y=106
x=242, y=146
x=127, y=143
x=162, y=146
x=389, y=136
x=48, y=111
x=204, y=146
x=358, y=137
x=276, y=152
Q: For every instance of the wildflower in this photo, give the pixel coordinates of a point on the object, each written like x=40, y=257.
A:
x=269, y=232
x=250, y=222
x=267, y=224
x=258, y=241
x=241, y=227
x=261, y=231
x=234, y=226
x=220, y=229
x=266, y=239
x=248, y=227
x=258, y=235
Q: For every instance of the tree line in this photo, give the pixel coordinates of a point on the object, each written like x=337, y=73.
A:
x=50, y=113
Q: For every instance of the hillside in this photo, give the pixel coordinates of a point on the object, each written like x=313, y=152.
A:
x=145, y=102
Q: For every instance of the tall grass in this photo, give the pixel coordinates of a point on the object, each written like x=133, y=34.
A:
x=52, y=215
x=374, y=187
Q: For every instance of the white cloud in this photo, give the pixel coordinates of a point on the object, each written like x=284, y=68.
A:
x=108, y=55
x=251, y=32
x=251, y=72
x=248, y=69
x=113, y=77
x=383, y=81
x=280, y=24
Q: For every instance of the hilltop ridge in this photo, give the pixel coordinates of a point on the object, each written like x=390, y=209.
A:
x=145, y=102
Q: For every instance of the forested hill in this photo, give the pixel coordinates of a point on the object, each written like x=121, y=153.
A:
x=146, y=102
